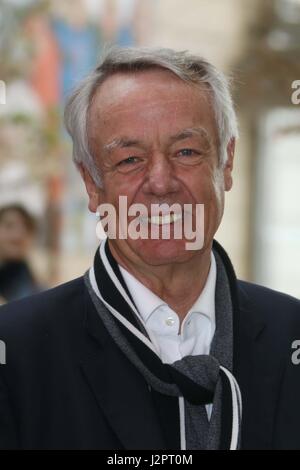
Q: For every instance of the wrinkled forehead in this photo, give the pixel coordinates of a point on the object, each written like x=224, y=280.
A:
x=124, y=88
x=154, y=104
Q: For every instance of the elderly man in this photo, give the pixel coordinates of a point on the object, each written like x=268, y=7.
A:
x=157, y=346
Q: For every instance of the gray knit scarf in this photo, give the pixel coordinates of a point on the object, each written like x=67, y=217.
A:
x=195, y=380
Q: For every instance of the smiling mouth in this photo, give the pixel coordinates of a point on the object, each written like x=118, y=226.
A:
x=162, y=219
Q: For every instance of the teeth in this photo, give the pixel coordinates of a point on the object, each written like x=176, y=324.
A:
x=164, y=219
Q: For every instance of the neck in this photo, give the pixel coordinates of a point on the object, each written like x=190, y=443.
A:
x=174, y=283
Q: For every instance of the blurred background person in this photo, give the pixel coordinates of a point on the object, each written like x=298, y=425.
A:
x=17, y=235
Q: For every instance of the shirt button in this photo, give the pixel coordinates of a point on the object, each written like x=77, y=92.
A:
x=170, y=321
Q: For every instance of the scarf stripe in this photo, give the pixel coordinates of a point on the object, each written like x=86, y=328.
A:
x=235, y=410
x=182, y=423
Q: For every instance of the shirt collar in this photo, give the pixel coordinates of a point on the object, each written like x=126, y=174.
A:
x=147, y=302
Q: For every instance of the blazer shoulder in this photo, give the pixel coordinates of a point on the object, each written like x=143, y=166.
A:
x=43, y=307
x=268, y=303
x=266, y=294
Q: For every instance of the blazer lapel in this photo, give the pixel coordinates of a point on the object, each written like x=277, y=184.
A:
x=120, y=390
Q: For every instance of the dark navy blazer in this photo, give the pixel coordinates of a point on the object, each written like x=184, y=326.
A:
x=66, y=384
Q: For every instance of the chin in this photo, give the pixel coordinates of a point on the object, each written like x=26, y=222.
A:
x=160, y=252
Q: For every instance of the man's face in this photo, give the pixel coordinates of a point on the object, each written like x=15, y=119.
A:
x=154, y=140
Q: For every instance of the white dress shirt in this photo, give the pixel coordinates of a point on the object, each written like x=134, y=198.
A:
x=162, y=323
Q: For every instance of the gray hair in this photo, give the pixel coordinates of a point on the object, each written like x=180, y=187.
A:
x=189, y=68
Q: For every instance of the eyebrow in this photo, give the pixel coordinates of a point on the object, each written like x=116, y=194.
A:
x=190, y=132
x=123, y=142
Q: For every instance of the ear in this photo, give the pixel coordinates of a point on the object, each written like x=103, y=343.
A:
x=92, y=189
x=227, y=171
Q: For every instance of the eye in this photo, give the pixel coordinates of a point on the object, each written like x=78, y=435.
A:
x=128, y=161
x=188, y=156
x=187, y=152
x=130, y=164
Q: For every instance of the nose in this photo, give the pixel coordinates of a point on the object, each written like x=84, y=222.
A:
x=161, y=179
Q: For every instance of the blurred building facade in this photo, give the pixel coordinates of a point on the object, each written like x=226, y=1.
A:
x=256, y=42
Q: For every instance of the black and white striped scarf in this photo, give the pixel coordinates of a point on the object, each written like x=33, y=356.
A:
x=196, y=380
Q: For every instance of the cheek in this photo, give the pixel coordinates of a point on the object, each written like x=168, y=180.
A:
x=120, y=185
x=209, y=190
x=219, y=188
x=204, y=187
x=216, y=206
